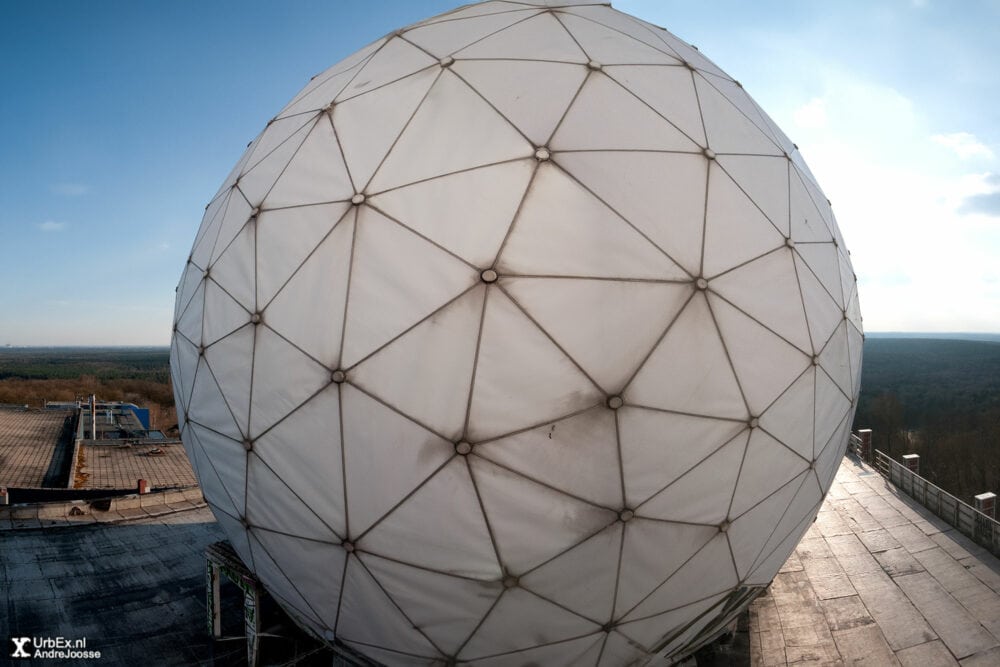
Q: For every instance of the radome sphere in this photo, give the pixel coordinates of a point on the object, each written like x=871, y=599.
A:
x=522, y=335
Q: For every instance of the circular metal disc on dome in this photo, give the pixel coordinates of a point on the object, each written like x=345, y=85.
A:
x=565, y=150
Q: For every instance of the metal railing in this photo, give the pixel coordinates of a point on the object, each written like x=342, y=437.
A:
x=969, y=521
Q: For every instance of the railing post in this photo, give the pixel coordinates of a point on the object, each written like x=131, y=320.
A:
x=912, y=463
x=987, y=504
x=866, y=444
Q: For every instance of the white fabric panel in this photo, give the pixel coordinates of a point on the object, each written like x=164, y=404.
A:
x=739, y=99
x=316, y=174
x=304, y=451
x=749, y=532
x=396, y=59
x=184, y=363
x=513, y=624
x=224, y=314
x=538, y=38
x=581, y=652
x=767, y=465
x=363, y=599
x=620, y=651
x=835, y=359
x=286, y=238
x=373, y=433
x=231, y=362
x=805, y=504
x=693, y=356
x=281, y=587
x=445, y=608
x=822, y=259
x=208, y=479
x=608, y=47
x=765, y=181
x=395, y=658
x=453, y=129
x=189, y=324
x=397, y=279
x=467, y=213
x=661, y=194
x=669, y=91
x=766, y=289
x=608, y=327
x=830, y=458
x=522, y=378
x=227, y=459
x=208, y=406
x=461, y=546
x=532, y=95
x=204, y=242
x=319, y=590
x=764, y=573
x=427, y=372
x=283, y=378
x=619, y=22
x=234, y=218
x=237, y=534
x=274, y=135
x=651, y=632
x=584, y=578
x=476, y=9
x=575, y=455
x=684, y=50
x=658, y=447
x=274, y=506
x=531, y=522
x=562, y=229
x=831, y=406
x=855, y=342
x=735, y=229
x=790, y=417
x=702, y=494
x=765, y=364
x=189, y=282
x=446, y=37
x=727, y=128
x=606, y=116
x=806, y=222
x=257, y=181
x=230, y=269
x=709, y=572
x=309, y=309
x=368, y=125
x=320, y=92
x=822, y=312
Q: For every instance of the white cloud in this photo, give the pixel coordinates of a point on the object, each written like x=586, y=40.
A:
x=51, y=226
x=964, y=145
x=812, y=114
x=70, y=189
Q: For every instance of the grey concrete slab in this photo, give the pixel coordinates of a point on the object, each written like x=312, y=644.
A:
x=989, y=658
x=846, y=612
x=878, y=540
x=900, y=622
x=912, y=538
x=958, y=629
x=898, y=561
x=978, y=598
x=931, y=654
x=864, y=645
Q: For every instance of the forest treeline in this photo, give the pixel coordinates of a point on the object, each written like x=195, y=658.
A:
x=939, y=399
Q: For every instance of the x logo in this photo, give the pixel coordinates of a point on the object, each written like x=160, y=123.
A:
x=19, y=644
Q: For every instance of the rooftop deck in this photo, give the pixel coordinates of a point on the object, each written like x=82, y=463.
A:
x=879, y=580
x=31, y=447
x=120, y=466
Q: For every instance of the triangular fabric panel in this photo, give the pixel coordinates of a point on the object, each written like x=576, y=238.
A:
x=445, y=608
x=374, y=435
x=229, y=461
x=476, y=9
x=757, y=176
x=790, y=417
x=767, y=568
x=318, y=568
x=396, y=59
x=288, y=236
x=711, y=571
x=532, y=95
x=231, y=361
x=189, y=324
x=309, y=309
x=397, y=279
x=822, y=312
x=362, y=600
x=368, y=125
x=235, y=217
x=427, y=372
x=234, y=268
x=454, y=129
x=189, y=282
x=531, y=522
x=807, y=224
x=735, y=229
x=669, y=91
x=446, y=37
x=767, y=465
x=223, y=315
x=576, y=455
x=237, y=534
x=316, y=174
x=835, y=359
x=661, y=194
x=259, y=179
x=204, y=242
x=831, y=406
x=765, y=364
x=448, y=506
x=283, y=378
x=183, y=363
x=395, y=658
x=693, y=356
x=608, y=327
x=848, y=281
x=580, y=652
x=304, y=451
x=522, y=378
x=606, y=116
x=808, y=498
x=856, y=341
x=832, y=456
x=620, y=650
x=658, y=447
x=607, y=47
x=208, y=406
x=823, y=260
x=734, y=92
x=700, y=495
x=767, y=290
x=564, y=230
x=276, y=507
x=275, y=134
x=619, y=22
x=749, y=532
x=538, y=38
x=467, y=213
x=684, y=625
x=513, y=625
x=320, y=92
x=583, y=579
x=728, y=130
x=208, y=479
x=652, y=552
x=279, y=585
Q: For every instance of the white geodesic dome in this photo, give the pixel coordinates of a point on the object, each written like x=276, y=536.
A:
x=520, y=336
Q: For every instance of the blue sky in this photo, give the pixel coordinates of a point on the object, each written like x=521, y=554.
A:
x=121, y=119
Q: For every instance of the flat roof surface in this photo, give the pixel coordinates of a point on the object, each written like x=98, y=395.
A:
x=120, y=466
x=29, y=442
x=879, y=580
